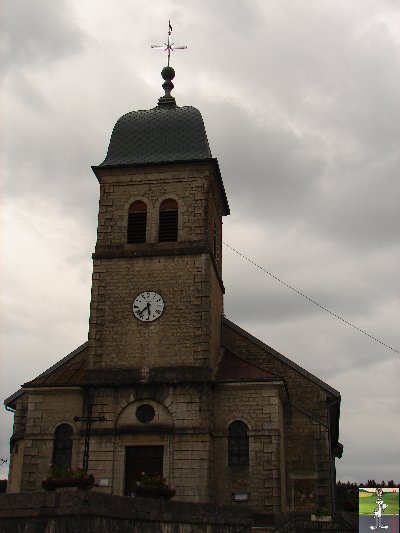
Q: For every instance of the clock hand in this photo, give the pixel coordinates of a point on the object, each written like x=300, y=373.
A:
x=141, y=311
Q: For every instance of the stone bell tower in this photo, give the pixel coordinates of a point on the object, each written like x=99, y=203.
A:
x=157, y=293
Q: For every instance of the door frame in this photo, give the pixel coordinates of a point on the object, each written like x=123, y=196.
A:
x=125, y=441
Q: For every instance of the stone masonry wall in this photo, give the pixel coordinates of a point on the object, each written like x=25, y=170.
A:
x=188, y=185
x=72, y=511
x=215, y=223
x=307, y=461
x=181, y=336
x=18, y=444
x=181, y=424
x=258, y=406
x=45, y=412
x=215, y=317
x=181, y=272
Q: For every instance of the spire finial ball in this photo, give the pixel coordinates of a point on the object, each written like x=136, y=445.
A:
x=168, y=73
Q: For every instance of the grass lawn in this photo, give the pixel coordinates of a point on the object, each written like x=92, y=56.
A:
x=366, y=503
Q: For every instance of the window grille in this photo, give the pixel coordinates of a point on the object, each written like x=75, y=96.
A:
x=168, y=223
x=62, y=450
x=238, y=444
x=137, y=222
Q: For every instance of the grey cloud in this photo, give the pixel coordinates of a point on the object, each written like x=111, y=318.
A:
x=280, y=175
x=363, y=218
x=39, y=33
x=267, y=165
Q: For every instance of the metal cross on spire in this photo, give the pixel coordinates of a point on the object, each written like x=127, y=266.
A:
x=169, y=45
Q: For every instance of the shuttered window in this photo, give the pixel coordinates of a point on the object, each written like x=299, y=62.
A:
x=168, y=222
x=238, y=444
x=137, y=222
x=62, y=449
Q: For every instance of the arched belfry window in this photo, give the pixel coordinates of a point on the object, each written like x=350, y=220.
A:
x=168, y=225
x=62, y=450
x=238, y=444
x=137, y=221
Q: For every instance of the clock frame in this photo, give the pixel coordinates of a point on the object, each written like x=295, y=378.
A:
x=148, y=306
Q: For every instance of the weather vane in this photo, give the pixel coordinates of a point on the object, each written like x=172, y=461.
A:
x=169, y=45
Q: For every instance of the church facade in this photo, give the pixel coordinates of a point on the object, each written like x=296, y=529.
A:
x=171, y=385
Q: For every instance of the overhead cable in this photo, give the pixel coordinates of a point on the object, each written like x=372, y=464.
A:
x=310, y=299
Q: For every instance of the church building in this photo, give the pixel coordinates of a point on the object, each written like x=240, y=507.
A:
x=169, y=384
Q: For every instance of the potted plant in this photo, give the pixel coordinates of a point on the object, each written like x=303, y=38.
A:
x=60, y=476
x=153, y=486
x=321, y=515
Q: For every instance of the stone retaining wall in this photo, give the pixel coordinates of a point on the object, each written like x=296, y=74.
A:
x=76, y=511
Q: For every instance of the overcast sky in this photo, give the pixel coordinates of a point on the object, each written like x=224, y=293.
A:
x=301, y=104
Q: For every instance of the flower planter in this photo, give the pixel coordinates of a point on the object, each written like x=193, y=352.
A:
x=85, y=482
x=153, y=491
x=316, y=518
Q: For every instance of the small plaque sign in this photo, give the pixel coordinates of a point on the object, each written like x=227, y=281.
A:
x=240, y=496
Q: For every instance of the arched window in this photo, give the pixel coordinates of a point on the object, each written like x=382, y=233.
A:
x=137, y=221
x=168, y=225
x=238, y=444
x=62, y=450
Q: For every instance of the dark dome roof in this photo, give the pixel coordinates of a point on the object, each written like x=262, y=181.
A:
x=164, y=134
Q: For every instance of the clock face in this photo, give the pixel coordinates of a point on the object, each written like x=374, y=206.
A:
x=148, y=306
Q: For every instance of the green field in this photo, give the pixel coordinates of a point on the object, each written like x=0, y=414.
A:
x=366, y=503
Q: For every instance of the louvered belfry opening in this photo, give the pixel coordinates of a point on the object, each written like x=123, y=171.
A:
x=137, y=221
x=168, y=224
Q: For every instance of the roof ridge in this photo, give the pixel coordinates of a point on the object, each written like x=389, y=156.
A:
x=250, y=363
x=231, y=367
x=65, y=359
x=281, y=357
x=61, y=361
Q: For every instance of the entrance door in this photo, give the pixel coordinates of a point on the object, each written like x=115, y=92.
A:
x=140, y=459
